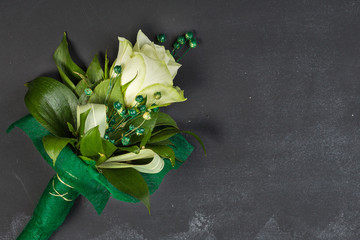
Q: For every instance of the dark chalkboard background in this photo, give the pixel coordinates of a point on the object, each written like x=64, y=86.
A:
x=273, y=89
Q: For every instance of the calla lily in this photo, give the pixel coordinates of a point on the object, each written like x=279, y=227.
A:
x=96, y=117
x=151, y=70
x=122, y=161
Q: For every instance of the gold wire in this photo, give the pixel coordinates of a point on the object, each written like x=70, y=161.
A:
x=58, y=194
x=63, y=181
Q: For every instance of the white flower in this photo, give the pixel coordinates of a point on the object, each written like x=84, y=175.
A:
x=96, y=117
x=150, y=69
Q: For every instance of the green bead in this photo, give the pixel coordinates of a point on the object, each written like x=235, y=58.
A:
x=176, y=45
x=181, y=40
x=112, y=141
x=140, y=131
x=139, y=98
x=123, y=113
x=88, y=91
x=117, y=69
x=189, y=35
x=155, y=109
x=132, y=112
x=142, y=108
x=157, y=95
x=131, y=127
x=161, y=38
x=106, y=137
x=117, y=105
x=125, y=141
x=192, y=43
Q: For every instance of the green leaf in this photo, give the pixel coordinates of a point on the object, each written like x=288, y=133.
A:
x=165, y=120
x=129, y=181
x=107, y=92
x=133, y=149
x=52, y=104
x=108, y=148
x=163, y=135
x=87, y=160
x=197, y=138
x=67, y=68
x=83, y=117
x=81, y=86
x=106, y=66
x=94, y=71
x=72, y=129
x=164, y=152
x=54, y=145
x=91, y=144
x=148, y=126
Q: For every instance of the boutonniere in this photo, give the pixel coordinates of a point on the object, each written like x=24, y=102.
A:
x=102, y=129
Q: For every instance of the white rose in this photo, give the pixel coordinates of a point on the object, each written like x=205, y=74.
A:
x=150, y=69
x=96, y=117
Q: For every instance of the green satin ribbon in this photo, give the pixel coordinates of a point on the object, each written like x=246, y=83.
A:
x=83, y=179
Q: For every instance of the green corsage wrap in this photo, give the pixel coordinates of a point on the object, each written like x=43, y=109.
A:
x=74, y=177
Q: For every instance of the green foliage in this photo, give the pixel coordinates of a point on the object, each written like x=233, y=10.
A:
x=72, y=129
x=91, y=144
x=163, y=134
x=108, y=149
x=54, y=145
x=95, y=147
x=106, y=66
x=83, y=117
x=94, y=71
x=81, y=86
x=68, y=70
x=52, y=104
x=165, y=120
x=129, y=181
x=197, y=138
x=148, y=125
x=107, y=92
x=133, y=149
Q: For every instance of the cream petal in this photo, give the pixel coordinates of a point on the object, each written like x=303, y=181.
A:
x=169, y=94
x=124, y=54
x=141, y=40
x=156, y=72
x=150, y=51
x=136, y=85
x=96, y=117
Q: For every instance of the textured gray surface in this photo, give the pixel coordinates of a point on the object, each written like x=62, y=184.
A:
x=273, y=90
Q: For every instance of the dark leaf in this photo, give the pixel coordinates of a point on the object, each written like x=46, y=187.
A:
x=134, y=149
x=129, y=181
x=165, y=120
x=106, y=66
x=54, y=145
x=163, y=135
x=68, y=70
x=94, y=71
x=52, y=104
x=91, y=144
x=83, y=117
x=197, y=138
